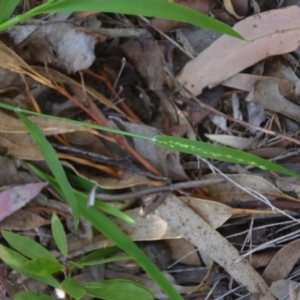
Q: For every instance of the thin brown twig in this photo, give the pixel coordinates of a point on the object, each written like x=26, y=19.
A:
x=159, y=189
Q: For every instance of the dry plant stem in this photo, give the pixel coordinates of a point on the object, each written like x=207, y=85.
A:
x=94, y=112
x=124, y=106
x=86, y=162
x=246, y=124
x=158, y=189
x=168, y=38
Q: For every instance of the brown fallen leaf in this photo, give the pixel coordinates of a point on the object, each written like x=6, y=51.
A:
x=267, y=94
x=23, y=220
x=226, y=192
x=147, y=55
x=283, y=262
x=190, y=225
x=228, y=56
x=230, y=8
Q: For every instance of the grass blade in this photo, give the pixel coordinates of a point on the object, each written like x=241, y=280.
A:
x=6, y=9
x=221, y=153
x=26, y=246
x=150, y=8
x=16, y=261
x=184, y=145
x=59, y=235
x=53, y=163
x=108, y=228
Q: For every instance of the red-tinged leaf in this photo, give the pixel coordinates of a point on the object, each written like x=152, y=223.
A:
x=14, y=198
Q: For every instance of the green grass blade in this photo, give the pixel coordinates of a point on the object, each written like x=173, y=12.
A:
x=43, y=266
x=6, y=9
x=16, y=261
x=221, y=153
x=59, y=235
x=26, y=246
x=108, y=228
x=53, y=163
x=72, y=288
x=185, y=146
x=118, y=289
x=115, y=234
x=150, y=8
x=98, y=254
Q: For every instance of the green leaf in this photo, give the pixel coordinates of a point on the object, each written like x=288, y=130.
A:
x=53, y=163
x=105, y=260
x=32, y=296
x=83, y=184
x=59, y=235
x=96, y=255
x=6, y=9
x=114, y=212
x=118, y=289
x=26, y=246
x=217, y=152
x=150, y=8
x=72, y=288
x=116, y=235
x=43, y=266
x=16, y=261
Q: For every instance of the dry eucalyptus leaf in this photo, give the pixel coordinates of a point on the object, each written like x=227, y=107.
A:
x=227, y=192
x=281, y=288
x=267, y=94
x=21, y=145
x=147, y=55
x=214, y=213
x=283, y=262
x=228, y=56
x=192, y=227
x=23, y=220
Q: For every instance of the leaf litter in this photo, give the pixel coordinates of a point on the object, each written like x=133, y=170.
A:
x=237, y=237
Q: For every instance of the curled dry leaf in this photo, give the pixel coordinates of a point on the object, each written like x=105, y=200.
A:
x=264, y=91
x=63, y=44
x=209, y=241
x=228, y=56
x=229, y=7
x=147, y=55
